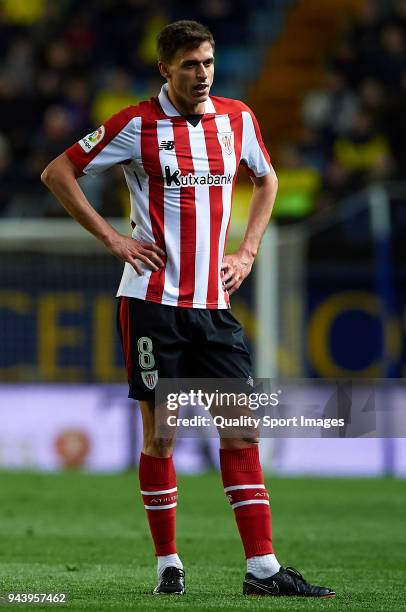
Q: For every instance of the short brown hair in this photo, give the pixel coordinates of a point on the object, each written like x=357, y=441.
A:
x=181, y=35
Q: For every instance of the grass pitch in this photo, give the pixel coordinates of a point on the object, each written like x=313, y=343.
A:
x=87, y=535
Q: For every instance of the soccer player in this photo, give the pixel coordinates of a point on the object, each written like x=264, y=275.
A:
x=180, y=152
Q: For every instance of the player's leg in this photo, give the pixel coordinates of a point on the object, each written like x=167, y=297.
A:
x=152, y=347
x=245, y=489
x=159, y=492
x=244, y=486
x=225, y=355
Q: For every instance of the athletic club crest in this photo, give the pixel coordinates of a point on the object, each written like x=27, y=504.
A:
x=226, y=139
x=150, y=379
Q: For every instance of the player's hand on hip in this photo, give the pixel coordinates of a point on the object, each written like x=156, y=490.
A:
x=135, y=251
x=234, y=269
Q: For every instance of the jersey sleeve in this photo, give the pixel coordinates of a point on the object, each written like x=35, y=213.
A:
x=112, y=143
x=254, y=154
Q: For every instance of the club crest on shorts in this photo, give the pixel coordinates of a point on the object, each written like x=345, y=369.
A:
x=226, y=139
x=91, y=140
x=150, y=379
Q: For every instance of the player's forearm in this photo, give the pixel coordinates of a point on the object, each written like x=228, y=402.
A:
x=261, y=206
x=61, y=181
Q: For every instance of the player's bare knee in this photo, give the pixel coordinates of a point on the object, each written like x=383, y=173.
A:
x=250, y=441
x=159, y=447
x=238, y=443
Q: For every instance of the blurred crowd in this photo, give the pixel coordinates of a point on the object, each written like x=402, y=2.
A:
x=354, y=130
x=68, y=65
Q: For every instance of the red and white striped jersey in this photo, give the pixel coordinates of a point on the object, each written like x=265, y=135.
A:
x=181, y=179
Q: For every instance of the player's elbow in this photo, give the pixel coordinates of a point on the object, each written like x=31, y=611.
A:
x=272, y=184
x=58, y=170
x=50, y=174
x=273, y=180
x=45, y=176
x=267, y=184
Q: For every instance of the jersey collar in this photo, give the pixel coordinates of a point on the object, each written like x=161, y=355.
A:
x=170, y=110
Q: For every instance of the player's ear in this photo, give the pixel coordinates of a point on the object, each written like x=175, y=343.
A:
x=163, y=69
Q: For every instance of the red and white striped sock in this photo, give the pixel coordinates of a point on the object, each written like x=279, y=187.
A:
x=159, y=492
x=244, y=486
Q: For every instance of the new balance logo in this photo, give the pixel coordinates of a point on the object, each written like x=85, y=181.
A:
x=167, y=145
x=177, y=179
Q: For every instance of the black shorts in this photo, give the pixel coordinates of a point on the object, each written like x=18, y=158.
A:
x=173, y=342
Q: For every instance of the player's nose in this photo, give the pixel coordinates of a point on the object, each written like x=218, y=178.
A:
x=202, y=71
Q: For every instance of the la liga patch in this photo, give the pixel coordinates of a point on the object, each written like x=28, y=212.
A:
x=91, y=140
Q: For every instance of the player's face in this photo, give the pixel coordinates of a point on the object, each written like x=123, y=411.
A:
x=190, y=76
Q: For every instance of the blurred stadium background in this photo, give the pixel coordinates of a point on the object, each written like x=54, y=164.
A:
x=327, y=81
